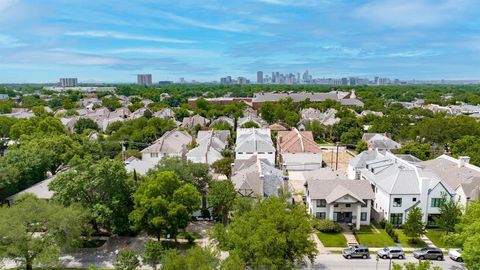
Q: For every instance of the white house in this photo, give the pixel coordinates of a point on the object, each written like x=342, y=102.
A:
x=339, y=199
x=399, y=186
x=458, y=174
x=210, y=146
x=254, y=141
x=172, y=144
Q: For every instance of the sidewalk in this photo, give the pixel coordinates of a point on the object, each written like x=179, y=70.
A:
x=320, y=247
x=349, y=236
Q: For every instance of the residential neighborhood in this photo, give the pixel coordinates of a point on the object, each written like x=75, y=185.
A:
x=350, y=190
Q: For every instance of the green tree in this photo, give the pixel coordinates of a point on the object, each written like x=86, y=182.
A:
x=413, y=226
x=195, y=259
x=152, y=253
x=422, y=265
x=196, y=174
x=163, y=205
x=101, y=186
x=267, y=112
x=233, y=262
x=111, y=103
x=317, y=129
x=450, y=214
x=84, y=124
x=223, y=166
x=468, y=235
x=34, y=231
x=127, y=260
x=272, y=234
x=250, y=124
x=419, y=150
x=221, y=196
x=361, y=146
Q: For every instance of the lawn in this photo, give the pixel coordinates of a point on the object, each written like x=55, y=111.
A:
x=368, y=237
x=403, y=239
x=332, y=239
x=435, y=235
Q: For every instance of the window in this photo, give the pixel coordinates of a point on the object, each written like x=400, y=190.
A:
x=261, y=153
x=397, y=202
x=363, y=216
x=335, y=205
x=153, y=155
x=414, y=199
x=347, y=205
x=396, y=219
x=321, y=203
x=437, y=202
x=320, y=215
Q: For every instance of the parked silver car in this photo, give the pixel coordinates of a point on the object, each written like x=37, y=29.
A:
x=391, y=252
x=428, y=253
x=356, y=252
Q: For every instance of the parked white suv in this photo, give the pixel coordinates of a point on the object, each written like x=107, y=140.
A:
x=455, y=254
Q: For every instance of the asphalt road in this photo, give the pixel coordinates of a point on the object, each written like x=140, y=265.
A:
x=336, y=261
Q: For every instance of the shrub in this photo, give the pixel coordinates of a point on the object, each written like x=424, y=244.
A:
x=383, y=223
x=327, y=226
x=391, y=231
x=190, y=238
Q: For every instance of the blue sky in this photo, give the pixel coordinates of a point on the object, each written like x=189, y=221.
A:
x=112, y=40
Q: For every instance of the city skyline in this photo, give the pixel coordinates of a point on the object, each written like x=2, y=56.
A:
x=112, y=41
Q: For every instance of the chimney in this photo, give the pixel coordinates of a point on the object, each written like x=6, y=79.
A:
x=463, y=160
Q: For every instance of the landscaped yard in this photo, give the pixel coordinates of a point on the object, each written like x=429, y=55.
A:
x=435, y=235
x=403, y=239
x=332, y=239
x=368, y=237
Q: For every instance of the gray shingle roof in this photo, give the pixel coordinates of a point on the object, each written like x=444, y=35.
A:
x=332, y=190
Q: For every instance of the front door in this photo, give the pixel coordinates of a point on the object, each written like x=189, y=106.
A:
x=348, y=217
x=343, y=217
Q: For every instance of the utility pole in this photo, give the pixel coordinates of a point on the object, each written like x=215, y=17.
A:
x=336, y=165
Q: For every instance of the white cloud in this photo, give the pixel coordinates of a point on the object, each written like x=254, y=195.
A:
x=6, y=4
x=401, y=13
x=294, y=2
x=115, y=35
x=230, y=26
x=168, y=52
x=9, y=42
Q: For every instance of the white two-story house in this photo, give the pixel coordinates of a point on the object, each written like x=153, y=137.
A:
x=338, y=199
x=254, y=142
x=399, y=186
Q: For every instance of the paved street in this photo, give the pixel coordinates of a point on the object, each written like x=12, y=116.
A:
x=336, y=261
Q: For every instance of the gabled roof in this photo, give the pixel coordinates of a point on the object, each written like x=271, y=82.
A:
x=451, y=170
x=257, y=176
x=40, y=189
x=193, y=121
x=471, y=188
x=332, y=190
x=173, y=141
x=254, y=140
x=297, y=142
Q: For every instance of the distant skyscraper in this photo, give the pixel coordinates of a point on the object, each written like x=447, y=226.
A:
x=68, y=82
x=259, y=76
x=242, y=80
x=181, y=80
x=144, y=79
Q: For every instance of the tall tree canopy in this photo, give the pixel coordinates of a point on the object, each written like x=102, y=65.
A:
x=163, y=205
x=101, y=186
x=34, y=231
x=274, y=234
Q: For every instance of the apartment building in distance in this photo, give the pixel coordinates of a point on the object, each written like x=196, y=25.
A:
x=68, y=82
x=144, y=79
